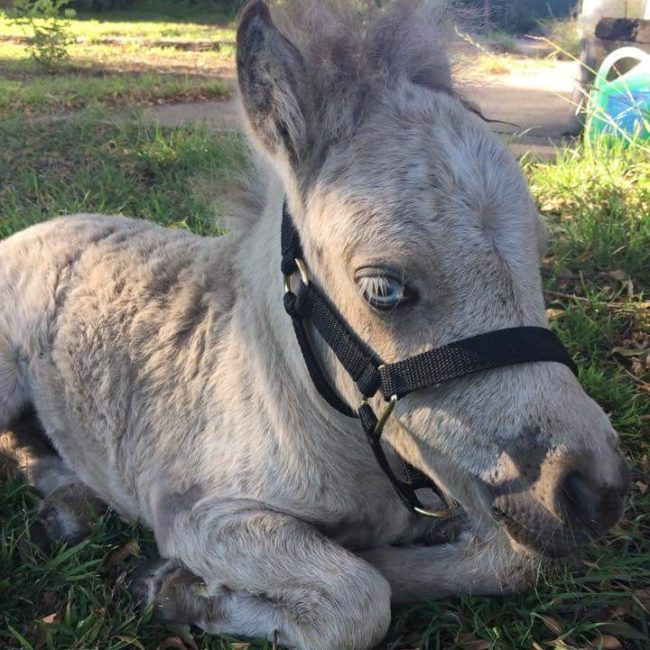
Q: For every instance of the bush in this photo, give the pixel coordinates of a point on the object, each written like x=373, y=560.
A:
x=50, y=33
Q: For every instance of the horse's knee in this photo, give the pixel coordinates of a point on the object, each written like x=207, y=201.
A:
x=354, y=614
x=371, y=607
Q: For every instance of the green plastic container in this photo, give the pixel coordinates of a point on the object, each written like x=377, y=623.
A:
x=619, y=105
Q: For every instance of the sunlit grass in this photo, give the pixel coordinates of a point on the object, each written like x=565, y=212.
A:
x=104, y=75
x=207, y=28
x=597, y=203
x=16, y=59
x=72, y=92
x=92, y=163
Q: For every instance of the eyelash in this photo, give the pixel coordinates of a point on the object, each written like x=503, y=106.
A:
x=374, y=286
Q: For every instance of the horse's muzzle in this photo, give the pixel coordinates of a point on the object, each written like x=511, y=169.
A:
x=572, y=501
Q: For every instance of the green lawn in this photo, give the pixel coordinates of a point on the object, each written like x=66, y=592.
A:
x=43, y=94
x=154, y=19
x=114, y=75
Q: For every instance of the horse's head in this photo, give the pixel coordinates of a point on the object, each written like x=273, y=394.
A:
x=417, y=224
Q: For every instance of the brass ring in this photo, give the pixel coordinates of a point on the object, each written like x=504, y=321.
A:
x=304, y=275
x=304, y=272
x=436, y=514
x=381, y=423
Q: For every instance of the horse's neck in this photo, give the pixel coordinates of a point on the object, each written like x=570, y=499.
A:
x=277, y=367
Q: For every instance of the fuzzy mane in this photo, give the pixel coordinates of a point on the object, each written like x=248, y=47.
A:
x=354, y=50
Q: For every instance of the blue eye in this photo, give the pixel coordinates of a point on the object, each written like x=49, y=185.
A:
x=383, y=292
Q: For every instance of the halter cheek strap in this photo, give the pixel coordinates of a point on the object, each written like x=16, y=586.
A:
x=468, y=356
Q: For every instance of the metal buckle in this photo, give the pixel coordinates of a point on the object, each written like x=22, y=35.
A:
x=383, y=418
x=435, y=514
x=304, y=275
x=377, y=431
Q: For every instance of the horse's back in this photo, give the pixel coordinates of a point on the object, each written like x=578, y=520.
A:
x=92, y=309
x=34, y=265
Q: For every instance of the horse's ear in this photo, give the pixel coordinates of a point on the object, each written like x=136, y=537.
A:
x=272, y=81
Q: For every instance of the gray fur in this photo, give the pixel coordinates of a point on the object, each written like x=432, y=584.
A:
x=166, y=374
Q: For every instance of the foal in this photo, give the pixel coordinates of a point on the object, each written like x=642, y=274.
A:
x=168, y=377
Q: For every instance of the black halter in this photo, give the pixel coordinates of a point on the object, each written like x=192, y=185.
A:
x=395, y=380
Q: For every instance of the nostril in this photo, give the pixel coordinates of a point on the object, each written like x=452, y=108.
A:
x=597, y=508
x=576, y=496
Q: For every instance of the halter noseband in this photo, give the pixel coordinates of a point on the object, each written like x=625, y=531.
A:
x=468, y=356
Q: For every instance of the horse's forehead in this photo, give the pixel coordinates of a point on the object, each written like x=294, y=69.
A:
x=437, y=149
x=425, y=179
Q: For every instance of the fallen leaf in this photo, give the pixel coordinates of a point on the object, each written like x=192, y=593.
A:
x=643, y=596
x=617, y=274
x=468, y=641
x=643, y=487
x=565, y=274
x=49, y=600
x=172, y=643
x=552, y=624
x=622, y=610
x=184, y=632
x=606, y=642
x=630, y=352
x=553, y=312
x=625, y=630
x=131, y=640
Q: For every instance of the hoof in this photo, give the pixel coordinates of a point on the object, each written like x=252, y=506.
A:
x=170, y=587
x=146, y=579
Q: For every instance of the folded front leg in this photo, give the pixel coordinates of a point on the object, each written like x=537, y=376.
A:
x=469, y=565
x=263, y=574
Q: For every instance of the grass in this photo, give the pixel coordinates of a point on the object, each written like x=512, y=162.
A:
x=596, y=274
x=499, y=41
x=564, y=34
x=95, y=164
x=94, y=29
x=601, y=205
x=147, y=20
x=46, y=94
x=115, y=75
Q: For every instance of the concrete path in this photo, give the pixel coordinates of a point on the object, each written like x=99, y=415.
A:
x=535, y=103
x=535, y=106
x=220, y=115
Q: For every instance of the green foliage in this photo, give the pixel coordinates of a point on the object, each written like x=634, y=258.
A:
x=597, y=203
x=522, y=16
x=100, y=5
x=50, y=35
x=46, y=93
x=500, y=41
x=564, y=35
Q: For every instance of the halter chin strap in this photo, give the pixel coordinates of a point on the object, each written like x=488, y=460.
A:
x=468, y=356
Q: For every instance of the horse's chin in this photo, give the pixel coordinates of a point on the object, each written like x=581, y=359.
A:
x=546, y=539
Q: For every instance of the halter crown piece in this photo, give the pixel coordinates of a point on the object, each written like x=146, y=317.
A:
x=468, y=356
